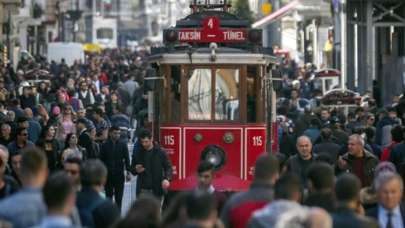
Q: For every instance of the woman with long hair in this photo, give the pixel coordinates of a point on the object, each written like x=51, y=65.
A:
x=48, y=143
x=72, y=149
x=65, y=124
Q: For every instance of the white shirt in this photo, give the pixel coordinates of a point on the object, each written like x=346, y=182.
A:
x=210, y=190
x=396, y=218
x=56, y=221
x=98, y=85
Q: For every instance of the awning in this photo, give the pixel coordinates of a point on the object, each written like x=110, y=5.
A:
x=90, y=47
x=277, y=14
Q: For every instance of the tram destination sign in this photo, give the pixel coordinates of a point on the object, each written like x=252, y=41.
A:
x=212, y=32
x=224, y=36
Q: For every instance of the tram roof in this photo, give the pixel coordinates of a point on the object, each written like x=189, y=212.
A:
x=224, y=55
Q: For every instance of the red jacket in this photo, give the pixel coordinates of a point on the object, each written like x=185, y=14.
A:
x=240, y=207
x=386, y=153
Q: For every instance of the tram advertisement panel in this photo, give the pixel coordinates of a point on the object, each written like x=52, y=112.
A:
x=170, y=142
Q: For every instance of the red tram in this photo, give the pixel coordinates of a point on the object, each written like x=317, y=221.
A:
x=212, y=97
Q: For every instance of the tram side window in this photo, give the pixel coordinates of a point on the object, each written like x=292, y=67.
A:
x=199, y=94
x=175, y=94
x=252, y=76
x=227, y=94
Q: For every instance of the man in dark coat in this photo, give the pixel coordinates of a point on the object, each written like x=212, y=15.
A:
x=347, y=193
x=152, y=166
x=94, y=210
x=300, y=162
x=390, y=212
x=321, y=180
x=85, y=140
x=358, y=160
x=114, y=154
x=327, y=147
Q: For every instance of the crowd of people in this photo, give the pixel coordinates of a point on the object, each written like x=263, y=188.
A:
x=64, y=143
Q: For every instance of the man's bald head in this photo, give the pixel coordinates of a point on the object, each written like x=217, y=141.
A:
x=304, y=147
x=303, y=138
x=4, y=155
x=3, y=160
x=28, y=113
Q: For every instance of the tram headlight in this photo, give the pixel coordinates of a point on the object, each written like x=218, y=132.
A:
x=255, y=36
x=170, y=36
x=214, y=155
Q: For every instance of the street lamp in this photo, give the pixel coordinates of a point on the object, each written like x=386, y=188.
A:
x=11, y=7
x=8, y=28
x=75, y=15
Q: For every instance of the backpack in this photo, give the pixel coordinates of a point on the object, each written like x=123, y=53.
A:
x=86, y=213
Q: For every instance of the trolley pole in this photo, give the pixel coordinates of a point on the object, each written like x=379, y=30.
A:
x=8, y=37
x=343, y=46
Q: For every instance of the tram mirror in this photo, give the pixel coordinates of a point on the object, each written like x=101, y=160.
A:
x=150, y=79
x=277, y=86
x=277, y=81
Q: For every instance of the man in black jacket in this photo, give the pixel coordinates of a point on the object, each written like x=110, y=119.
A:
x=300, y=162
x=114, y=154
x=85, y=140
x=326, y=147
x=348, y=213
x=152, y=166
x=321, y=178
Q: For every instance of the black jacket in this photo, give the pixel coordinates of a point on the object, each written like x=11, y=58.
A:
x=53, y=152
x=297, y=165
x=87, y=143
x=329, y=149
x=104, y=215
x=326, y=201
x=345, y=218
x=115, y=156
x=161, y=169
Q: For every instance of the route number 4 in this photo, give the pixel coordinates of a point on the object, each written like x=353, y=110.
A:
x=211, y=23
x=169, y=140
x=257, y=141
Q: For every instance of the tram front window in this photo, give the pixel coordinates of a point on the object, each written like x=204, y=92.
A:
x=226, y=94
x=199, y=95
